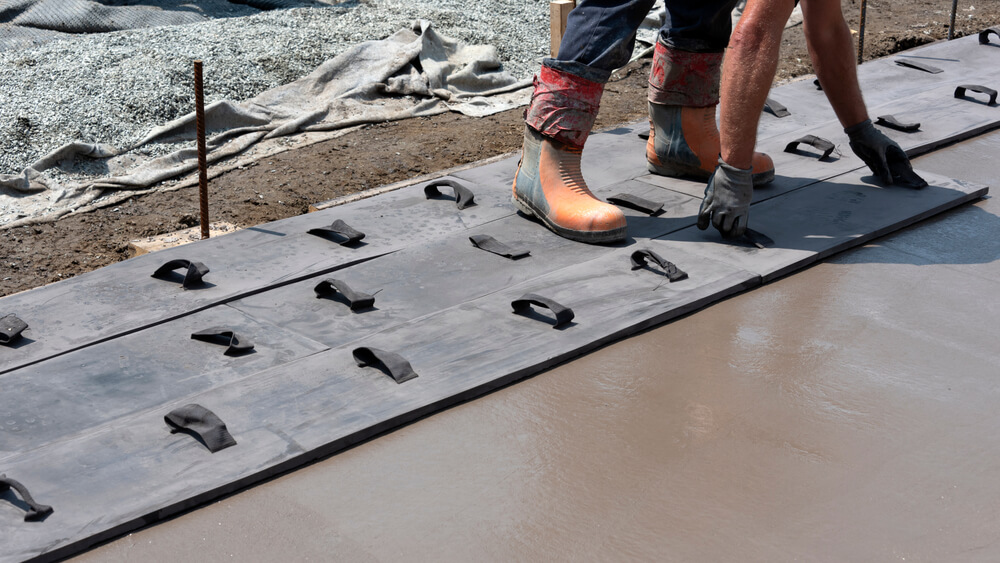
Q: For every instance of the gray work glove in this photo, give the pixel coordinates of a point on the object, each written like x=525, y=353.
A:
x=727, y=200
x=885, y=158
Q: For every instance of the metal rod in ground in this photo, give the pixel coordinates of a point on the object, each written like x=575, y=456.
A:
x=951, y=27
x=861, y=31
x=199, y=103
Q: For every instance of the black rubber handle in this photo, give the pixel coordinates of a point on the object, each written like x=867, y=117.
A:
x=758, y=239
x=35, y=511
x=463, y=195
x=225, y=337
x=397, y=367
x=523, y=305
x=490, y=244
x=984, y=35
x=196, y=419
x=192, y=276
x=339, y=232
x=673, y=273
x=813, y=141
x=357, y=300
x=776, y=108
x=637, y=203
x=960, y=92
x=11, y=328
x=918, y=65
x=892, y=123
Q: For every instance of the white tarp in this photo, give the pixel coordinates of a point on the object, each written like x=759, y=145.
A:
x=415, y=72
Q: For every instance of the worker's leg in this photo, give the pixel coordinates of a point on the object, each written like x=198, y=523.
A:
x=684, y=92
x=599, y=38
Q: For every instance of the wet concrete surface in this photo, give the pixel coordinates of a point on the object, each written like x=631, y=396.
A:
x=845, y=413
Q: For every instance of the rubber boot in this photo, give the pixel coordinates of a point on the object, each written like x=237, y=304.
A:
x=549, y=184
x=683, y=135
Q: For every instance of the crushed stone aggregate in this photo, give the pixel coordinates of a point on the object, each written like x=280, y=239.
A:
x=114, y=87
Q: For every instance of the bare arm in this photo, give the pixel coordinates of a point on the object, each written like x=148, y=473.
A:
x=747, y=73
x=832, y=52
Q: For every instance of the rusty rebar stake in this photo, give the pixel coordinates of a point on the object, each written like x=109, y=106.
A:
x=951, y=28
x=199, y=103
x=861, y=31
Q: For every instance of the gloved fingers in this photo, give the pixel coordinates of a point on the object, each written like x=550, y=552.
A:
x=874, y=159
x=739, y=226
x=881, y=167
x=901, y=169
x=719, y=220
x=904, y=176
x=705, y=213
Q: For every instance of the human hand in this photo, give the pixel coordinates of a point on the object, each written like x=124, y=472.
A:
x=884, y=157
x=727, y=200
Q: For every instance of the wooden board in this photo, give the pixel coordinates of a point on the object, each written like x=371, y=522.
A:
x=558, y=13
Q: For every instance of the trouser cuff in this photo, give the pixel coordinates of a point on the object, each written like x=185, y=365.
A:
x=683, y=78
x=563, y=106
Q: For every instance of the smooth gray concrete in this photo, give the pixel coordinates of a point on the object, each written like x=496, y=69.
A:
x=845, y=413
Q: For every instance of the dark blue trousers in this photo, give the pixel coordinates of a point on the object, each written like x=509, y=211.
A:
x=600, y=34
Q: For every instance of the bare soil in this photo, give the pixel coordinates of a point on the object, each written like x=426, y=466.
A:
x=287, y=184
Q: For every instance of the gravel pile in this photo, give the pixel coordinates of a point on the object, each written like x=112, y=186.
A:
x=114, y=87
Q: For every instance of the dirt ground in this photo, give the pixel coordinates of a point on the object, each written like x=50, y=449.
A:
x=286, y=184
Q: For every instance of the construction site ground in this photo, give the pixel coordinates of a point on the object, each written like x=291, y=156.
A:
x=287, y=184
x=845, y=413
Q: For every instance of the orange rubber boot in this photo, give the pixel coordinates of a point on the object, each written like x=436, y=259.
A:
x=550, y=186
x=684, y=141
x=683, y=136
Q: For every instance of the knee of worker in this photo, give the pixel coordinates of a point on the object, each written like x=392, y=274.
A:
x=698, y=27
x=600, y=34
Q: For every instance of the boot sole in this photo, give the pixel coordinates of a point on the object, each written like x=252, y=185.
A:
x=614, y=235
x=682, y=171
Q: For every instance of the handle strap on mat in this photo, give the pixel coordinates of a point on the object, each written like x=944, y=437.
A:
x=356, y=300
x=960, y=92
x=673, y=273
x=196, y=419
x=225, y=337
x=35, y=511
x=339, y=232
x=813, y=141
x=637, y=203
x=11, y=328
x=490, y=244
x=984, y=35
x=463, y=195
x=918, y=65
x=397, y=367
x=892, y=123
x=192, y=277
x=523, y=305
x=776, y=108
